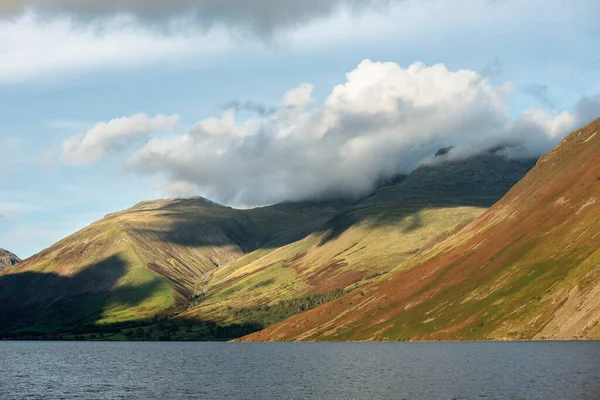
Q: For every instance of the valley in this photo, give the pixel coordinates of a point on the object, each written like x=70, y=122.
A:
x=193, y=269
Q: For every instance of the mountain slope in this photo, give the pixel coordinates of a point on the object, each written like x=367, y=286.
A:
x=527, y=268
x=142, y=262
x=190, y=268
x=375, y=236
x=7, y=259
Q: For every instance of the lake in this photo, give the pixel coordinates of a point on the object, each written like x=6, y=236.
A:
x=137, y=370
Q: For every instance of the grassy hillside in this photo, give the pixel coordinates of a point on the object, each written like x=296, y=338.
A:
x=148, y=261
x=359, y=245
x=377, y=241
x=528, y=268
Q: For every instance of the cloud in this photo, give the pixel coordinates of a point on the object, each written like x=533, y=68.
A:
x=260, y=16
x=109, y=137
x=250, y=106
x=493, y=69
x=50, y=39
x=537, y=131
x=383, y=120
x=34, y=47
x=540, y=93
x=588, y=108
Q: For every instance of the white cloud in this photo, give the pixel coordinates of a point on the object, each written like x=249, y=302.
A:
x=107, y=137
x=537, y=131
x=299, y=97
x=555, y=125
x=383, y=120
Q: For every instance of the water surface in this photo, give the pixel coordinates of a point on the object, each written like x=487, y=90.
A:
x=135, y=370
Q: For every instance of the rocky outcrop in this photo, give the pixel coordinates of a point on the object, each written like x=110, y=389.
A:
x=7, y=259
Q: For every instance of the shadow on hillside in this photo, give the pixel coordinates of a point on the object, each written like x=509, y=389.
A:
x=479, y=181
x=50, y=302
x=405, y=215
x=238, y=230
x=247, y=234
x=247, y=229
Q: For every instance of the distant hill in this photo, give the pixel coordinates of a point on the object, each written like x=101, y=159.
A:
x=528, y=268
x=191, y=268
x=7, y=259
x=142, y=263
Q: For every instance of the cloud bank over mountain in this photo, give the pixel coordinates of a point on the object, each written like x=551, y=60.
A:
x=383, y=120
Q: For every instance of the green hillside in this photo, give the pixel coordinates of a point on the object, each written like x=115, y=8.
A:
x=148, y=261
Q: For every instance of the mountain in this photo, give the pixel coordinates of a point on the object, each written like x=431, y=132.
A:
x=481, y=179
x=7, y=259
x=141, y=263
x=379, y=234
x=528, y=268
x=194, y=269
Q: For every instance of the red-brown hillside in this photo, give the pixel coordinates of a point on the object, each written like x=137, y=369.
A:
x=527, y=268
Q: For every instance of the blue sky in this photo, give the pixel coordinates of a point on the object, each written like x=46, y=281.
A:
x=526, y=69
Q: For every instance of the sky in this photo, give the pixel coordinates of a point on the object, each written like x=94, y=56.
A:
x=107, y=103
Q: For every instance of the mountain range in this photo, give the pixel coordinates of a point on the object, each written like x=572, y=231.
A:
x=423, y=257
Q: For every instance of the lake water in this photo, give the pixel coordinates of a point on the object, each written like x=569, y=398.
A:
x=135, y=370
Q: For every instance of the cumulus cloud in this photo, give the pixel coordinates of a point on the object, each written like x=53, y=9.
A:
x=536, y=131
x=383, y=120
x=262, y=16
x=108, y=137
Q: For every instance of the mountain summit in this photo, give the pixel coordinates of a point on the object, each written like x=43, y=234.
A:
x=7, y=259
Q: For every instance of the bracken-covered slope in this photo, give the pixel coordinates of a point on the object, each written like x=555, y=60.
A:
x=529, y=268
x=7, y=259
x=142, y=262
